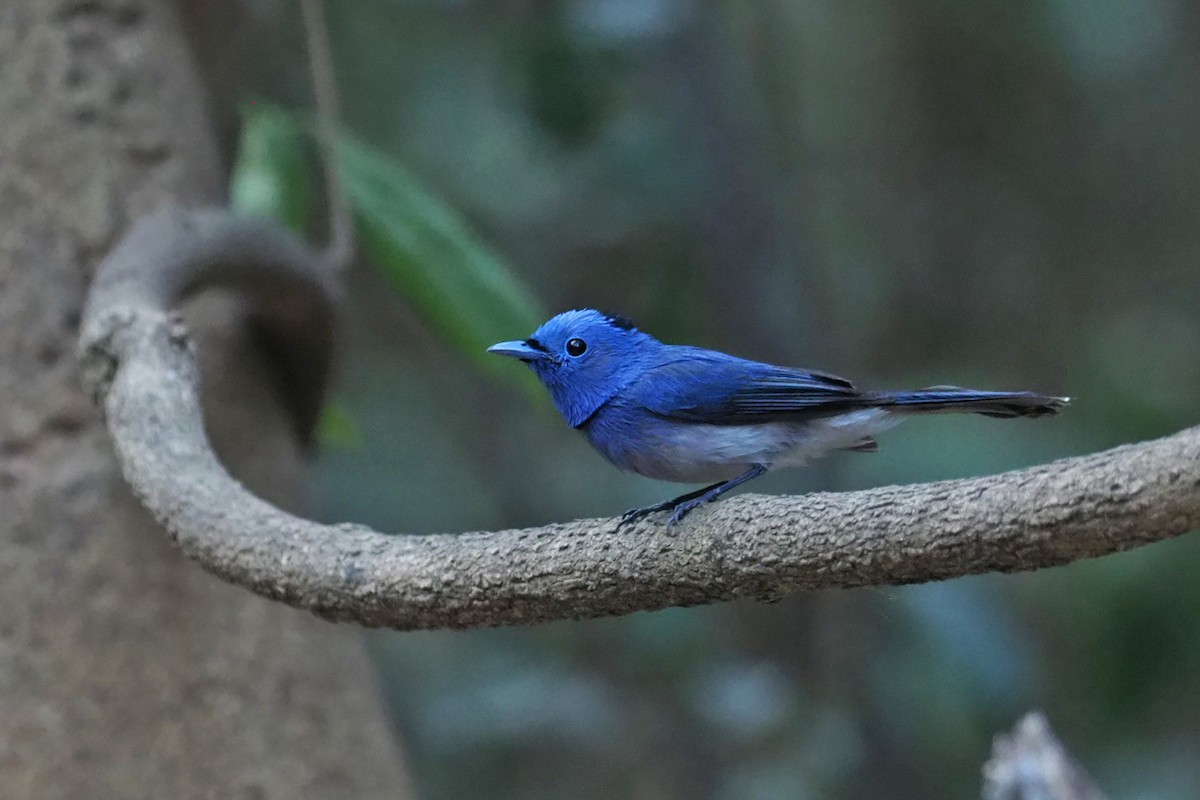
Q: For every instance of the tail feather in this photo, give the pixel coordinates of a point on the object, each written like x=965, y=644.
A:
x=956, y=399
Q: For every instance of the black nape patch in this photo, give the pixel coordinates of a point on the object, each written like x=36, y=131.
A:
x=536, y=345
x=619, y=321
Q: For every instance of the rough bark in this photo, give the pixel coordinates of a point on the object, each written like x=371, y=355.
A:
x=139, y=363
x=124, y=671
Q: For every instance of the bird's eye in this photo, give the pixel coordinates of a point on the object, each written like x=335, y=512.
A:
x=576, y=347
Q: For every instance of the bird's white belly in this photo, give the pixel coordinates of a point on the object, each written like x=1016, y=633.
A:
x=699, y=453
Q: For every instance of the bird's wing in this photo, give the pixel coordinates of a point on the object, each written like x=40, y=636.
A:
x=696, y=385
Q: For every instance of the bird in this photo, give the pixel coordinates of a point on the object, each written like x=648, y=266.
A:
x=690, y=415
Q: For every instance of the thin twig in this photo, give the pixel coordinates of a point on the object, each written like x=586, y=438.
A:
x=339, y=251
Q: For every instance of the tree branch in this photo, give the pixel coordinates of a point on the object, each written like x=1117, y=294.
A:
x=137, y=360
x=1031, y=764
x=168, y=256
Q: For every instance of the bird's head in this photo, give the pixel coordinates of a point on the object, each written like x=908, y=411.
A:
x=584, y=358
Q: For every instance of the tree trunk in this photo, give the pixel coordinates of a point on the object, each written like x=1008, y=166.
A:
x=126, y=671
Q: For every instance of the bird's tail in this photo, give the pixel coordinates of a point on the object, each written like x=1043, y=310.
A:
x=956, y=399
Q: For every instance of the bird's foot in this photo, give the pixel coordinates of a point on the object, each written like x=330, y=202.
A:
x=683, y=505
x=685, y=508
x=680, y=510
x=687, y=503
x=634, y=514
x=680, y=505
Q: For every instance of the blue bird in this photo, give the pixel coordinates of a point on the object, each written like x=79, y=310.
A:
x=690, y=415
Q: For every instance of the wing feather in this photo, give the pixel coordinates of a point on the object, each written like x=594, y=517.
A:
x=695, y=385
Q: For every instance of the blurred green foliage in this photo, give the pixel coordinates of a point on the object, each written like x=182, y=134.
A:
x=907, y=193
x=272, y=176
x=463, y=291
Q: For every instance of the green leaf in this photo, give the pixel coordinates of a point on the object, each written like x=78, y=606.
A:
x=271, y=174
x=461, y=289
x=337, y=428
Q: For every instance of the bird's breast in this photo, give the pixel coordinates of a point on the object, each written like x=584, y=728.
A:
x=648, y=444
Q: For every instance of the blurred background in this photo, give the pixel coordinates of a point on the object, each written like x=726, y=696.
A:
x=992, y=194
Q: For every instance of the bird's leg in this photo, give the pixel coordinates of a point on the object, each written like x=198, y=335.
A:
x=685, y=504
x=634, y=514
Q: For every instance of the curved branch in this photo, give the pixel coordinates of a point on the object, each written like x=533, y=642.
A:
x=170, y=255
x=137, y=359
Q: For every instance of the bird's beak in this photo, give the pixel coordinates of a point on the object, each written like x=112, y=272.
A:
x=518, y=350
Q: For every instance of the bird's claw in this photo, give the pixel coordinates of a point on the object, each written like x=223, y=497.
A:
x=678, y=512
x=634, y=514
x=682, y=510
